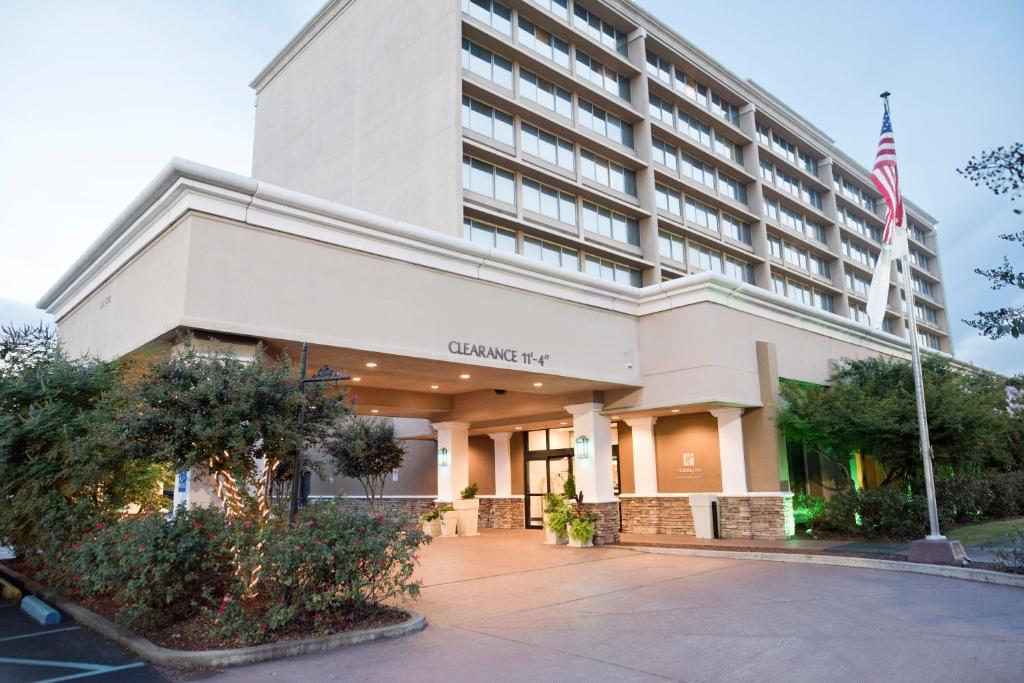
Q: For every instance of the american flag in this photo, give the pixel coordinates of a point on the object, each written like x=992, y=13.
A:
x=886, y=178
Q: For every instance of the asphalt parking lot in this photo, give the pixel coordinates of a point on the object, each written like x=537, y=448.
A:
x=64, y=652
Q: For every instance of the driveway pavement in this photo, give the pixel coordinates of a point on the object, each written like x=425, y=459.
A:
x=504, y=607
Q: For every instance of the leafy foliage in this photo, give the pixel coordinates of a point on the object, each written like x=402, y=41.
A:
x=469, y=492
x=870, y=408
x=366, y=450
x=1012, y=556
x=1001, y=170
x=582, y=527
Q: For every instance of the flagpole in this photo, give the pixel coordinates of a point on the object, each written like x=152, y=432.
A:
x=922, y=411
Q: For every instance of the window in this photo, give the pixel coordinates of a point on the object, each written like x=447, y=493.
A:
x=548, y=147
x=809, y=163
x=739, y=270
x=820, y=266
x=729, y=112
x=607, y=173
x=812, y=197
x=775, y=247
x=926, y=314
x=487, y=121
x=779, y=285
x=791, y=219
x=553, y=254
x=771, y=209
x=728, y=149
x=697, y=170
x=488, y=180
x=599, y=30
x=701, y=214
x=767, y=171
x=928, y=339
x=486, y=64
x=816, y=230
x=919, y=259
x=795, y=256
x=549, y=202
x=601, y=76
x=667, y=200
x=784, y=148
x=763, y=134
x=799, y=293
x=613, y=272
x=853, y=193
x=661, y=110
x=665, y=154
x=787, y=182
x=825, y=302
x=858, y=254
x=489, y=235
x=560, y=8
x=695, y=129
x=494, y=14
x=692, y=89
x=917, y=233
x=545, y=93
x=610, y=224
x=732, y=188
x=704, y=258
x=858, y=284
x=923, y=286
x=543, y=43
x=659, y=68
x=736, y=229
x=671, y=246
x=603, y=123
x=859, y=312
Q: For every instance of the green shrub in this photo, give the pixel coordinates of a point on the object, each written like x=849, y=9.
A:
x=1012, y=556
x=841, y=513
x=469, y=492
x=886, y=512
x=582, y=528
x=807, y=508
x=559, y=514
x=569, y=487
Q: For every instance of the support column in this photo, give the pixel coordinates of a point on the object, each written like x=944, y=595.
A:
x=730, y=450
x=645, y=464
x=452, y=437
x=594, y=473
x=502, y=464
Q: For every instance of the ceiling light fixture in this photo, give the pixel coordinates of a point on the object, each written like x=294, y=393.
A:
x=357, y=379
x=434, y=386
x=371, y=364
x=675, y=410
x=538, y=384
x=463, y=376
x=374, y=411
x=518, y=428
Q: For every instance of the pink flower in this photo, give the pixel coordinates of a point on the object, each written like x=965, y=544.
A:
x=100, y=525
x=142, y=546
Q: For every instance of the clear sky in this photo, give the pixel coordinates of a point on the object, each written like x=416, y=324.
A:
x=97, y=95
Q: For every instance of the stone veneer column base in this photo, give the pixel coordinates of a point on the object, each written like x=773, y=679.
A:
x=754, y=517
x=607, y=521
x=657, y=515
x=409, y=509
x=502, y=513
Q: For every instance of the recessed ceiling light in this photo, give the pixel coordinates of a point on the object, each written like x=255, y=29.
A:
x=518, y=428
x=615, y=417
x=374, y=411
x=357, y=379
x=434, y=386
x=371, y=364
x=538, y=384
x=463, y=376
x=563, y=423
x=675, y=410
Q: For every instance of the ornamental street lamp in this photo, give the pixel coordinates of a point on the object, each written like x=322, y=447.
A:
x=442, y=457
x=324, y=374
x=582, y=447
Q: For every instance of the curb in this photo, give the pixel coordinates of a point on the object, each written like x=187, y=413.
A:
x=189, y=659
x=947, y=572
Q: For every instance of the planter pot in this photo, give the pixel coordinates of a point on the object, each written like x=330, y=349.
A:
x=551, y=537
x=432, y=528
x=573, y=543
x=469, y=515
x=448, y=523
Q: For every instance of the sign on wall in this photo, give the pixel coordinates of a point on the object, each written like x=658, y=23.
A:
x=689, y=469
x=503, y=353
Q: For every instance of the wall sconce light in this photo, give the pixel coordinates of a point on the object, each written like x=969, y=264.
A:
x=582, y=448
x=442, y=457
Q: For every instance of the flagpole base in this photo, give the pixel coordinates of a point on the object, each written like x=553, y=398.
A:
x=937, y=550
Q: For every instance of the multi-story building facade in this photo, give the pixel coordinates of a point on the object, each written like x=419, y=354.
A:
x=544, y=236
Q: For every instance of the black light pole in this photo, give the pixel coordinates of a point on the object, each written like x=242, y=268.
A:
x=324, y=374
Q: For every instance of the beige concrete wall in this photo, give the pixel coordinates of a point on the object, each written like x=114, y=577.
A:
x=417, y=475
x=695, y=433
x=481, y=464
x=367, y=114
x=146, y=299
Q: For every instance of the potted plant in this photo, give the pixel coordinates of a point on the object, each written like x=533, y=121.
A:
x=556, y=516
x=431, y=521
x=449, y=520
x=468, y=509
x=582, y=528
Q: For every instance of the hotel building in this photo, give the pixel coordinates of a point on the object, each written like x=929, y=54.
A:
x=543, y=236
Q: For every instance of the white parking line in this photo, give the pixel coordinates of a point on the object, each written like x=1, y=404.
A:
x=40, y=633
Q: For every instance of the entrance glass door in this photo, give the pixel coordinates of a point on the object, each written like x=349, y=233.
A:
x=546, y=474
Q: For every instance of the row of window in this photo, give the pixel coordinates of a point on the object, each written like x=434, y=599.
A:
x=795, y=221
x=700, y=214
x=550, y=253
x=500, y=184
x=798, y=257
x=696, y=130
x=660, y=68
x=859, y=225
x=697, y=257
x=859, y=254
x=802, y=294
x=847, y=189
x=790, y=184
x=786, y=149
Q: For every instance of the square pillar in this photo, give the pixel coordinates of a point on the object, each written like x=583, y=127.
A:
x=594, y=473
x=730, y=450
x=452, y=437
x=645, y=465
x=502, y=464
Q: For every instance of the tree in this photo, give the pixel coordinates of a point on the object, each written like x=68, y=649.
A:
x=59, y=468
x=366, y=450
x=1001, y=170
x=233, y=420
x=869, y=407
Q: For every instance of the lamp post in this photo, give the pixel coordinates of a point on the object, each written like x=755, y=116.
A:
x=324, y=374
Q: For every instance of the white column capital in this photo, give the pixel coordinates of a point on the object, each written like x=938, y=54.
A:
x=645, y=422
x=500, y=436
x=450, y=426
x=577, y=409
x=724, y=415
